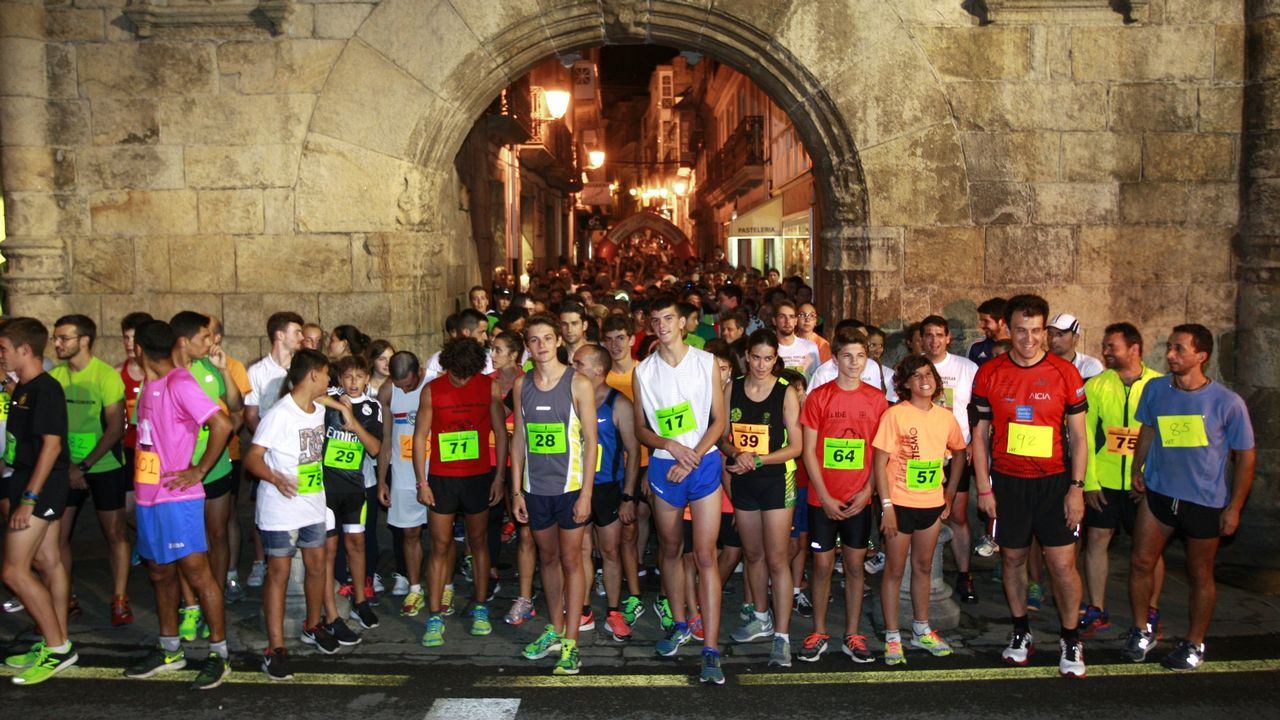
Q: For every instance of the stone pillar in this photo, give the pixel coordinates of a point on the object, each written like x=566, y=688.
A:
x=862, y=269
x=1258, y=268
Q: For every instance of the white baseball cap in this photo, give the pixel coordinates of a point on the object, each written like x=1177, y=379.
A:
x=1065, y=322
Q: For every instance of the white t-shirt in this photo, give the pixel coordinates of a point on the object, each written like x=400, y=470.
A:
x=873, y=374
x=265, y=380
x=1088, y=365
x=801, y=354
x=292, y=437
x=434, y=370
x=957, y=383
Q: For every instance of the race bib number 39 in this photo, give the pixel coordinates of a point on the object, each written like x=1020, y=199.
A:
x=547, y=438
x=924, y=474
x=310, y=479
x=1122, y=440
x=843, y=453
x=675, y=420
x=460, y=445
x=343, y=454
x=751, y=438
x=1182, y=431
x=1030, y=440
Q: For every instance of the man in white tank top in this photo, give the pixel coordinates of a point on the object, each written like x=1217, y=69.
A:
x=680, y=413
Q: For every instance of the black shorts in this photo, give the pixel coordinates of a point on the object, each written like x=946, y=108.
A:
x=966, y=478
x=237, y=472
x=854, y=532
x=218, y=487
x=1198, y=522
x=348, y=511
x=466, y=495
x=767, y=493
x=1119, y=511
x=126, y=463
x=606, y=498
x=912, y=519
x=53, y=497
x=1032, y=507
x=727, y=537
x=108, y=490
x=547, y=510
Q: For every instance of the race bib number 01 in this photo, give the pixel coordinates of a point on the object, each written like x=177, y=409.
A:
x=1182, y=431
x=80, y=445
x=146, y=467
x=310, y=479
x=924, y=474
x=460, y=445
x=751, y=438
x=1122, y=440
x=1030, y=440
x=343, y=454
x=675, y=420
x=843, y=453
x=547, y=438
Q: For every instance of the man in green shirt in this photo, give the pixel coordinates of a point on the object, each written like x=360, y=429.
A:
x=95, y=425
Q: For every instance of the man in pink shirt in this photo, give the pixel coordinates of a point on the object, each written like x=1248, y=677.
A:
x=170, y=501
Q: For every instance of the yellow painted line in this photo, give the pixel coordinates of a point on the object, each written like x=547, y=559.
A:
x=242, y=677
x=584, y=681
x=1004, y=673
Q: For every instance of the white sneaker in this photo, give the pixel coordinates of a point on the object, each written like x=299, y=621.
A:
x=257, y=574
x=986, y=547
x=378, y=587
x=599, y=584
x=874, y=564
x=1071, y=663
x=1021, y=645
x=400, y=586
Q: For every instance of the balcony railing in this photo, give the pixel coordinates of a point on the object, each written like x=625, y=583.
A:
x=739, y=164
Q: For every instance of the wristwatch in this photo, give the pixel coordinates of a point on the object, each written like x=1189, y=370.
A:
x=83, y=466
x=628, y=498
x=1077, y=484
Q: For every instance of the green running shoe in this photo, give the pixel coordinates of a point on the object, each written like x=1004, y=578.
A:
x=157, y=661
x=480, y=620
x=569, y=662
x=189, y=627
x=548, y=642
x=662, y=607
x=632, y=609
x=49, y=663
x=434, y=634
x=26, y=659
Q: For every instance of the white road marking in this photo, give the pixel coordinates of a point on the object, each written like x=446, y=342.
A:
x=474, y=709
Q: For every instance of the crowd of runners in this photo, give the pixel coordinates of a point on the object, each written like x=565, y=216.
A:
x=584, y=414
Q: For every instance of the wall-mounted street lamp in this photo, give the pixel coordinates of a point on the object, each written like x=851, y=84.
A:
x=557, y=103
x=595, y=159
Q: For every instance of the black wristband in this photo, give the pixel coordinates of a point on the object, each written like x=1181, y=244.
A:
x=628, y=498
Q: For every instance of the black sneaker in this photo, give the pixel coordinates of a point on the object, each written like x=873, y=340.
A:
x=156, y=662
x=343, y=634
x=1137, y=644
x=964, y=589
x=804, y=608
x=320, y=636
x=216, y=669
x=275, y=664
x=364, y=614
x=1184, y=657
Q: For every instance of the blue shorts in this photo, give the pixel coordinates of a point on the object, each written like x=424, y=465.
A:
x=285, y=543
x=547, y=510
x=800, y=521
x=704, y=480
x=171, y=531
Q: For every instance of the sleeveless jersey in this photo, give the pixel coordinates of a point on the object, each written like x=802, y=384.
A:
x=553, y=437
x=404, y=414
x=609, y=465
x=460, y=427
x=759, y=427
x=677, y=400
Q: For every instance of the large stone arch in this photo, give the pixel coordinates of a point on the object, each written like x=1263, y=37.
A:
x=646, y=220
x=407, y=87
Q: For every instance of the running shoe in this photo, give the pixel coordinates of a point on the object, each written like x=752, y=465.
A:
x=599, y=584
x=459, y=531
x=363, y=614
x=370, y=595
x=855, y=646
x=494, y=587
x=48, y=664
x=780, y=656
x=1153, y=622
x=670, y=645
x=695, y=628
x=1184, y=657
x=932, y=642
x=986, y=547
x=587, y=621
x=121, y=614
x=632, y=609
x=14, y=605
x=275, y=664
x=399, y=585
x=22, y=661
x=1021, y=646
x=342, y=633
x=508, y=532
x=257, y=575
x=157, y=661
x=964, y=589
x=320, y=636
x=755, y=629
x=467, y=569
x=803, y=607
x=545, y=644
x=617, y=626
x=413, y=604
x=234, y=592
x=814, y=645
x=569, y=662
x=893, y=654
x=1035, y=596
x=1071, y=662
x=1137, y=643
x=662, y=608
x=521, y=609
x=1094, y=620
x=874, y=563
x=189, y=626
x=480, y=624
x=711, y=671
x=446, y=602
x=433, y=634
x=376, y=583
x=215, y=671
x=746, y=612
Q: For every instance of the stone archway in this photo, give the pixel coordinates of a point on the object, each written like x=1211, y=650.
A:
x=641, y=222
x=393, y=113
